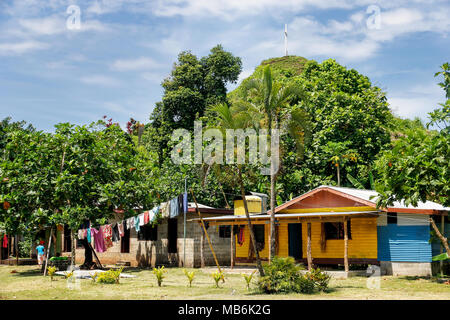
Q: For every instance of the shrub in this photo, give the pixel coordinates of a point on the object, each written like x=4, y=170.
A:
x=282, y=275
x=68, y=275
x=159, y=273
x=320, y=279
x=190, y=276
x=51, y=272
x=248, y=279
x=109, y=277
x=217, y=276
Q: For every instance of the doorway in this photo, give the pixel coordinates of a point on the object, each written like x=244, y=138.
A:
x=295, y=240
x=172, y=235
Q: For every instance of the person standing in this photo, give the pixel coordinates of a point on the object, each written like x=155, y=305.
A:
x=40, y=252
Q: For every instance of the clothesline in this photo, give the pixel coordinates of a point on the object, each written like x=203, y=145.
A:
x=105, y=235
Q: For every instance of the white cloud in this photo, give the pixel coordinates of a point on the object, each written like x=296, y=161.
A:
x=18, y=48
x=100, y=80
x=138, y=64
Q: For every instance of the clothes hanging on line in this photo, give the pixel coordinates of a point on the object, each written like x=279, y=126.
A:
x=121, y=226
x=98, y=240
x=136, y=224
x=165, y=209
x=146, y=217
x=174, y=208
x=115, y=232
x=5, y=241
x=141, y=219
x=107, y=235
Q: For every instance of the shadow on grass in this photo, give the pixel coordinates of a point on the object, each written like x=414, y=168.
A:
x=29, y=273
x=414, y=278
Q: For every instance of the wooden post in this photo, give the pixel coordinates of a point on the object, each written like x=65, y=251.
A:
x=9, y=248
x=233, y=245
x=308, y=249
x=202, y=250
x=345, y=245
x=207, y=236
x=441, y=263
x=48, y=250
x=16, y=244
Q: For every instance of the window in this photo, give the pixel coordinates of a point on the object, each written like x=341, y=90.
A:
x=224, y=231
x=148, y=233
x=258, y=230
x=125, y=242
x=392, y=218
x=335, y=230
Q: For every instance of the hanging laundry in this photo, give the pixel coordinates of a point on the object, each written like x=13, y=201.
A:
x=88, y=234
x=174, y=208
x=5, y=241
x=107, y=235
x=115, y=232
x=122, y=227
x=185, y=202
x=165, y=209
x=81, y=234
x=130, y=223
x=136, y=224
x=98, y=239
x=180, y=204
x=141, y=220
x=146, y=217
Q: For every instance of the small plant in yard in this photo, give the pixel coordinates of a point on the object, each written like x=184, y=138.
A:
x=94, y=276
x=51, y=272
x=217, y=276
x=159, y=274
x=320, y=279
x=190, y=275
x=248, y=279
x=68, y=275
x=110, y=276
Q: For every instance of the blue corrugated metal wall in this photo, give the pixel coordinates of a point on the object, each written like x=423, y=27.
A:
x=404, y=243
x=436, y=245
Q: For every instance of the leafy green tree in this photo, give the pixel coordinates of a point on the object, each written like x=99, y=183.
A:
x=79, y=173
x=192, y=86
x=416, y=168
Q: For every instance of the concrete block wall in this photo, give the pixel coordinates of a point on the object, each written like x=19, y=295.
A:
x=150, y=253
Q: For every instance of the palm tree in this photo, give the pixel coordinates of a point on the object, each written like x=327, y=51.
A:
x=271, y=104
x=232, y=120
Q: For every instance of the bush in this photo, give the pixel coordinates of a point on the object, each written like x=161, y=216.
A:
x=190, y=276
x=282, y=275
x=320, y=279
x=109, y=277
x=159, y=273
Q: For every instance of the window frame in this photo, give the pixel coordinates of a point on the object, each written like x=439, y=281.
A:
x=339, y=231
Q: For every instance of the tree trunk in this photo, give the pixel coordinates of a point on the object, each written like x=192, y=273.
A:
x=345, y=245
x=441, y=263
x=233, y=245
x=202, y=250
x=308, y=247
x=48, y=250
x=16, y=244
x=87, y=255
x=249, y=224
x=74, y=245
x=338, y=176
x=272, y=251
x=444, y=240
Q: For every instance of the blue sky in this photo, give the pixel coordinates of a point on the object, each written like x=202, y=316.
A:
x=114, y=64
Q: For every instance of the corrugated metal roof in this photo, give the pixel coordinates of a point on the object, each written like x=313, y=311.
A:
x=289, y=215
x=368, y=194
x=372, y=196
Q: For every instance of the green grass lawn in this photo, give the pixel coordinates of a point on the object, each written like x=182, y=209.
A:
x=29, y=283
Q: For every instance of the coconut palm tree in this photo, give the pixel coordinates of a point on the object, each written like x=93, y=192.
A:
x=227, y=119
x=270, y=104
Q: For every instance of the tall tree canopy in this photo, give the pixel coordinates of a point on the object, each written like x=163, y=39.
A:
x=192, y=86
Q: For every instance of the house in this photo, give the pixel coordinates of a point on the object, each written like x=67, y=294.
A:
x=163, y=244
x=332, y=225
